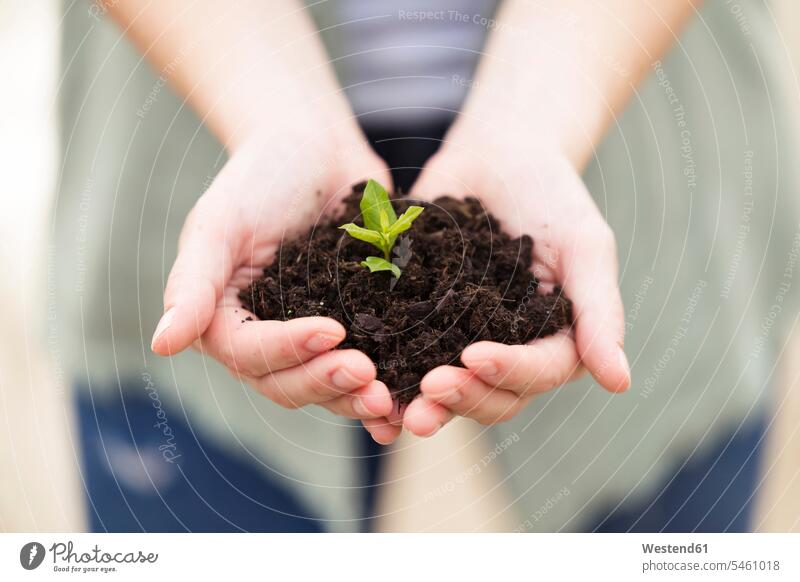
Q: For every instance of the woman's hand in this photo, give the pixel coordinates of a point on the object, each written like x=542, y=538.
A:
x=561, y=69
x=276, y=185
x=261, y=81
x=533, y=191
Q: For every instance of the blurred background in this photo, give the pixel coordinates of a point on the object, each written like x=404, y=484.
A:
x=41, y=489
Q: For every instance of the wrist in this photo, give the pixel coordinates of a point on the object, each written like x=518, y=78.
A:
x=505, y=131
x=322, y=121
x=485, y=148
x=292, y=127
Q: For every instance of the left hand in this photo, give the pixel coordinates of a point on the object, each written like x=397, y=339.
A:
x=535, y=191
x=267, y=192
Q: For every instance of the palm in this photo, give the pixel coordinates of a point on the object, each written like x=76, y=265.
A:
x=266, y=193
x=573, y=248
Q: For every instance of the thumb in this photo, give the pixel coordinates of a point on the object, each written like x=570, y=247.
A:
x=590, y=282
x=201, y=270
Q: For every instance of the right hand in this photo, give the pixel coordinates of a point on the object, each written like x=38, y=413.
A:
x=271, y=188
x=532, y=189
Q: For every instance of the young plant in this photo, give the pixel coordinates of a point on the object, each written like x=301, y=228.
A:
x=381, y=226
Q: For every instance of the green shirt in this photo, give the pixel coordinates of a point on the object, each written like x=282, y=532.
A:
x=697, y=179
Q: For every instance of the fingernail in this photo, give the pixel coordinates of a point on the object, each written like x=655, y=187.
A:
x=379, y=442
x=322, y=342
x=452, y=398
x=343, y=378
x=361, y=408
x=163, y=324
x=438, y=428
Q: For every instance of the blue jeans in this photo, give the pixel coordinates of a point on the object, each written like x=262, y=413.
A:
x=142, y=473
x=711, y=492
x=140, y=478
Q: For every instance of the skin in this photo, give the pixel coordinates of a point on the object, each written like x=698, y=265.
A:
x=523, y=162
x=294, y=151
x=260, y=80
x=230, y=235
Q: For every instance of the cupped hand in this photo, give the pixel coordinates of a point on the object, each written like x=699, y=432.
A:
x=537, y=192
x=273, y=186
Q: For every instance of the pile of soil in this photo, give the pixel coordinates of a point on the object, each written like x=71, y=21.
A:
x=465, y=281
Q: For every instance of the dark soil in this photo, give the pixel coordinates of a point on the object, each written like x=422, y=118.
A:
x=465, y=281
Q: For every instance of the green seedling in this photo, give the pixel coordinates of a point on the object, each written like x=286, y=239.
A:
x=381, y=226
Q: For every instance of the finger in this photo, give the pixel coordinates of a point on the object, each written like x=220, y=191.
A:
x=395, y=417
x=203, y=266
x=590, y=281
x=382, y=431
x=466, y=395
x=368, y=402
x=323, y=378
x=528, y=369
x=424, y=418
x=257, y=348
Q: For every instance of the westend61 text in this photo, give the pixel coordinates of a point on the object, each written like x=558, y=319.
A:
x=672, y=549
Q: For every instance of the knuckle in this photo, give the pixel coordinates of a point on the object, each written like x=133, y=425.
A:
x=525, y=384
x=288, y=404
x=267, y=387
x=199, y=345
x=227, y=358
x=282, y=399
x=317, y=385
x=512, y=410
x=509, y=412
x=224, y=357
x=282, y=352
x=321, y=390
x=245, y=369
x=497, y=417
x=231, y=356
x=524, y=388
x=501, y=418
x=349, y=412
x=485, y=420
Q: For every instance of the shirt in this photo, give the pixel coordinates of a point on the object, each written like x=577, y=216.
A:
x=697, y=178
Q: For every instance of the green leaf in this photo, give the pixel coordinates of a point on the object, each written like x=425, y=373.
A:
x=384, y=221
x=375, y=264
x=403, y=223
x=375, y=200
x=368, y=236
